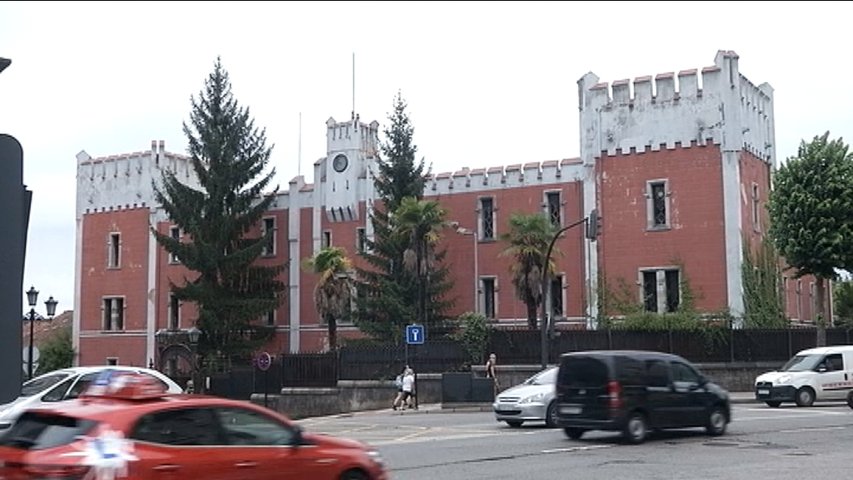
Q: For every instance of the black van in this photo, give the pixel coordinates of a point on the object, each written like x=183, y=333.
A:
x=634, y=392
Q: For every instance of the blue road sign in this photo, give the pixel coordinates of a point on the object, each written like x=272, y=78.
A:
x=415, y=334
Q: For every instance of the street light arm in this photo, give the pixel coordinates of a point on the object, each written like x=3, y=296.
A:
x=543, y=326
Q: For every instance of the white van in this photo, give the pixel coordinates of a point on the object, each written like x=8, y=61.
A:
x=823, y=373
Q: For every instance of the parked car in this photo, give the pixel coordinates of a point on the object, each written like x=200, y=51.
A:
x=66, y=384
x=634, y=392
x=530, y=401
x=823, y=373
x=126, y=425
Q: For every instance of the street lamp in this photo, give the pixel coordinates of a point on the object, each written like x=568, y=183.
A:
x=32, y=299
x=475, y=235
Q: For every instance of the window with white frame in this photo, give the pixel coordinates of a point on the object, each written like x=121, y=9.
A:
x=114, y=250
x=660, y=289
x=555, y=208
x=489, y=296
x=269, y=246
x=487, y=218
x=756, y=213
x=326, y=242
x=175, y=233
x=657, y=204
x=174, y=312
x=113, y=313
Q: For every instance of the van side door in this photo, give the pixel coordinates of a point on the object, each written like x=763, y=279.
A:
x=661, y=399
x=692, y=401
x=832, y=378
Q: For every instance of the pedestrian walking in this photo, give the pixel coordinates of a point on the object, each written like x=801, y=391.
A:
x=491, y=371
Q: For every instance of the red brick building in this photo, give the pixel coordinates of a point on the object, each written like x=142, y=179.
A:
x=680, y=176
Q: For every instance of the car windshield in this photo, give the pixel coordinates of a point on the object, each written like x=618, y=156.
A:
x=802, y=363
x=42, y=383
x=545, y=377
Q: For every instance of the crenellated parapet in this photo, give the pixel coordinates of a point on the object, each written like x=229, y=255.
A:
x=508, y=176
x=124, y=181
x=713, y=105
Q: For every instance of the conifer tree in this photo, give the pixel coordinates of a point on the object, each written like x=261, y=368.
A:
x=389, y=292
x=218, y=214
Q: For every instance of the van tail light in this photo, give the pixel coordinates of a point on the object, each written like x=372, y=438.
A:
x=614, y=394
x=57, y=472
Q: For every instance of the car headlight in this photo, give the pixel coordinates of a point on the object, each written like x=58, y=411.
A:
x=533, y=398
x=376, y=457
x=784, y=379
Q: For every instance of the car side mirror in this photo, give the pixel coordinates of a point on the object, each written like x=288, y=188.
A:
x=297, y=439
x=821, y=369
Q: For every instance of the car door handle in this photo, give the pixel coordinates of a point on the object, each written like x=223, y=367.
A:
x=167, y=467
x=246, y=464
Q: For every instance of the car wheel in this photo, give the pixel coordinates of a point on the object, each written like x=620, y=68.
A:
x=551, y=415
x=574, y=433
x=805, y=397
x=717, y=422
x=773, y=403
x=636, y=428
x=514, y=423
x=354, y=475
x=850, y=399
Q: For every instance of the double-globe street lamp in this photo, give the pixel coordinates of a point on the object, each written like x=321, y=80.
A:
x=50, y=304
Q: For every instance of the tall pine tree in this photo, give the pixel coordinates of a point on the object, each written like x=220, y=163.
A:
x=229, y=156
x=388, y=293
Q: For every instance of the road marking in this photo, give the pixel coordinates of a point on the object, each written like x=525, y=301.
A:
x=814, y=429
x=576, y=449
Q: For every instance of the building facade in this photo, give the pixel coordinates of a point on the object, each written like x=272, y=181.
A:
x=679, y=171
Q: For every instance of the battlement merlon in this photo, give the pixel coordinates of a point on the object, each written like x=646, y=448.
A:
x=467, y=180
x=653, y=111
x=116, y=181
x=352, y=135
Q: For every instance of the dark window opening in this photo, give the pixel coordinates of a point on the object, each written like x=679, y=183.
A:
x=488, y=297
x=659, y=204
x=554, y=208
x=487, y=212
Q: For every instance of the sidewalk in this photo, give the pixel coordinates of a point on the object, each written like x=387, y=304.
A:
x=735, y=397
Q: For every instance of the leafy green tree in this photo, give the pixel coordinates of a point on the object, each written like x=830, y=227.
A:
x=333, y=292
x=228, y=155
x=811, y=222
x=57, y=351
x=529, y=236
x=474, y=333
x=843, y=299
x=388, y=291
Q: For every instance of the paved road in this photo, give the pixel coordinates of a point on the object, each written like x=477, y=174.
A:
x=762, y=442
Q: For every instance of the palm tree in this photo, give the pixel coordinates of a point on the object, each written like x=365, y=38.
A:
x=528, y=237
x=420, y=221
x=334, y=289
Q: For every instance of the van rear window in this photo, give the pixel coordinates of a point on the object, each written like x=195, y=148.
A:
x=583, y=372
x=37, y=431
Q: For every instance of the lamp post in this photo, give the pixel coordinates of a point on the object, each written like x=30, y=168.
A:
x=544, y=324
x=50, y=304
x=474, y=234
x=193, y=334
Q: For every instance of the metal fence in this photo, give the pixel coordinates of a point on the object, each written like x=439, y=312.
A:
x=520, y=346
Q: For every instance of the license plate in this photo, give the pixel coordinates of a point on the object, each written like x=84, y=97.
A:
x=570, y=410
x=764, y=392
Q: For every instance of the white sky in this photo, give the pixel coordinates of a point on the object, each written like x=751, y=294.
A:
x=487, y=83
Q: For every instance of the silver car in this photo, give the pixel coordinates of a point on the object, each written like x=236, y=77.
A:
x=66, y=384
x=531, y=401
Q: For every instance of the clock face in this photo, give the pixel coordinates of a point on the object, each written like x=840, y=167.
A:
x=340, y=163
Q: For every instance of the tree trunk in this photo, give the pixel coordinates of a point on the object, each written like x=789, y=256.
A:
x=333, y=332
x=820, y=318
x=531, y=315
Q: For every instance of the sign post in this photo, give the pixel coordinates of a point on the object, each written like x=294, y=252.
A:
x=415, y=335
x=264, y=361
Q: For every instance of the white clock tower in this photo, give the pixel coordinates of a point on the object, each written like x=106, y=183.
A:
x=344, y=179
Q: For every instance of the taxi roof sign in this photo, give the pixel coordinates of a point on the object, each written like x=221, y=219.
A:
x=118, y=384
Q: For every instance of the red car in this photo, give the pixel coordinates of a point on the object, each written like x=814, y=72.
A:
x=126, y=426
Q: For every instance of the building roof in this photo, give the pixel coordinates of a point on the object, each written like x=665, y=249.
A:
x=45, y=328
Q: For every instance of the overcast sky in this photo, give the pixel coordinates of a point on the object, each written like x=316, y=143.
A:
x=487, y=83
